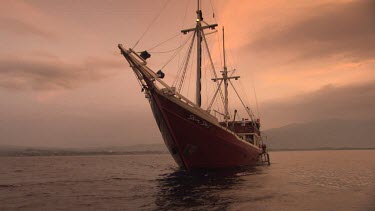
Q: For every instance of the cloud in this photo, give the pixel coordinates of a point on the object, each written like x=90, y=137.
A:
x=355, y=101
x=50, y=73
x=21, y=27
x=345, y=30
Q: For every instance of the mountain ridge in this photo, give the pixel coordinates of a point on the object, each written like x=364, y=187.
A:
x=330, y=133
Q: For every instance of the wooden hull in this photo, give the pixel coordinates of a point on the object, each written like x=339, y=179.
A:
x=194, y=138
x=195, y=142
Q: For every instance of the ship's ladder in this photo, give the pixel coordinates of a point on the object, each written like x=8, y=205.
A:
x=264, y=157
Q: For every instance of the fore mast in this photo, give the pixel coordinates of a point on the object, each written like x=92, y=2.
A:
x=199, y=32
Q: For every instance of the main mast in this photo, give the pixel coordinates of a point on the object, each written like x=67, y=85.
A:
x=199, y=32
x=198, y=100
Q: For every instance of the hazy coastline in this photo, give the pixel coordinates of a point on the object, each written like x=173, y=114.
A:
x=17, y=151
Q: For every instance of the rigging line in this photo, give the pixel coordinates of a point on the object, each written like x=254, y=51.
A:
x=247, y=99
x=218, y=38
x=182, y=64
x=185, y=67
x=180, y=68
x=182, y=26
x=218, y=90
x=255, y=95
x=205, y=77
x=174, y=55
x=153, y=21
x=141, y=84
x=231, y=60
x=246, y=108
x=214, y=97
x=220, y=107
x=256, y=102
x=178, y=71
x=256, y=98
x=170, y=59
x=188, y=74
x=220, y=49
x=213, y=11
x=174, y=36
x=186, y=9
x=213, y=67
x=189, y=81
x=186, y=63
x=168, y=51
x=217, y=35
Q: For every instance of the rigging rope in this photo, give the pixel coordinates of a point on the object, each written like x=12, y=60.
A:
x=177, y=51
x=186, y=64
x=213, y=69
x=180, y=67
x=205, y=76
x=214, y=97
x=174, y=36
x=213, y=10
x=256, y=98
x=153, y=21
x=186, y=9
x=247, y=98
x=168, y=51
x=217, y=35
x=242, y=87
x=249, y=112
x=189, y=80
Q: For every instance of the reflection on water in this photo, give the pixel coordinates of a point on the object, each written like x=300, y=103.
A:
x=314, y=180
x=201, y=189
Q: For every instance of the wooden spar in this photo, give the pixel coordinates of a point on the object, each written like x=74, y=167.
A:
x=210, y=26
x=198, y=99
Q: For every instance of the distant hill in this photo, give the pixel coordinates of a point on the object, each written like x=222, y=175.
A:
x=333, y=133
x=325, y=134
x=6, y=150
x=135, y=148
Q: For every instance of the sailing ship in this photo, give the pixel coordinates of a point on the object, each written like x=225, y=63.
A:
x=194, y=136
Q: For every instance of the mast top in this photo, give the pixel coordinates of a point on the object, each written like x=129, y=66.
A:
x=199, y=13
x=200, y=26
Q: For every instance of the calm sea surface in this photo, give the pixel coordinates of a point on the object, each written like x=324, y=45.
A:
x=301, y=180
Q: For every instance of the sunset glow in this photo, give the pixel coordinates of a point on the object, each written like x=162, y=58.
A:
x=63, y=81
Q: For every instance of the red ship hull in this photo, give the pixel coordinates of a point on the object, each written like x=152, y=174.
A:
x=194, y=138
x=195, y=142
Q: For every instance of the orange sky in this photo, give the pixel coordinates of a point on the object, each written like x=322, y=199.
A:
x=64, y=83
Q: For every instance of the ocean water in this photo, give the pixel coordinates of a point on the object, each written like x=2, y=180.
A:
x=298, y=180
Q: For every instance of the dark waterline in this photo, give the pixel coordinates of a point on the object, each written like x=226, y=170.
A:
x=310, y=180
